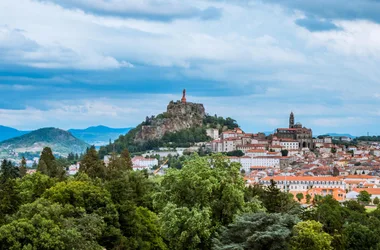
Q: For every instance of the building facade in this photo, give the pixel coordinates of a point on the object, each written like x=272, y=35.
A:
x=304, y=136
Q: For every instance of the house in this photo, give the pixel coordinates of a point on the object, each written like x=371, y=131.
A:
x=140, y=163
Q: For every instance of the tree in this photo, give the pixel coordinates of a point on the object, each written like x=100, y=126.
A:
x=308, y=198
x=127, y=158
x=9, y=199
x=94, y=200
x=8, y=171
x=299, y=196
x=210, y=188
x=23, y=167
x=47, y=164
x=276, y=201
x=91, y=165
x=32, y=186
x=308, y=235
x=364, y=197
x=186, y=228
x=358, y=236
x=284, y=152
x=257, y=231
x=376, y=201
x=46, y=225
x=333, y=150
x=329, y=212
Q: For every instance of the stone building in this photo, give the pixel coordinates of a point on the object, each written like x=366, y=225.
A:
x=296, y=132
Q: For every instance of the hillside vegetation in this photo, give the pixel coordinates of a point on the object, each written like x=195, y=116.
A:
x=182, y=138
x=62, y=141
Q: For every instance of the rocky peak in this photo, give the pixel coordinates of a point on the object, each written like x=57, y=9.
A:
x=179, y=115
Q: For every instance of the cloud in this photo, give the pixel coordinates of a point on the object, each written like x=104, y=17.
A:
x=16, y=48
x=337, y=9
x=157, y=10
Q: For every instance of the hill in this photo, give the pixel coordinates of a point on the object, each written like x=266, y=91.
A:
x=98, y=135
x=341, y=135
x=61, y=142
x=182, y=125
x=7, y=133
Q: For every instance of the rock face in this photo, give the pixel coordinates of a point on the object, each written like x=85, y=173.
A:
x=179, y=116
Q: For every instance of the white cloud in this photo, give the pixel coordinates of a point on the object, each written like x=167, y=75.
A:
x=16, y=48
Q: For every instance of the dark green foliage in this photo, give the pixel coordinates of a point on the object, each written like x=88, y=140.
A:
x=364, y=197
x=360, y=237
x=257, y=231
x=8, y=171
x=49, y=166
x=9, y=199
x=274, y=200
x=284, y=152
x=23, y=167
x=91, y=165
x=219, y=122
x=237, y=153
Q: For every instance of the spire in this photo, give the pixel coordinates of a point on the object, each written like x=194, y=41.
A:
x=291, y=120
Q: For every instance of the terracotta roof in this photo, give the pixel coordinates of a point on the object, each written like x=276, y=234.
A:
x=373, y=191
x=301, y=178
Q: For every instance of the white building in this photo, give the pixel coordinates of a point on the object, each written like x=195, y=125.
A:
x=289, y=144
x=304, y=183
x=140, y=162
x=213, y=133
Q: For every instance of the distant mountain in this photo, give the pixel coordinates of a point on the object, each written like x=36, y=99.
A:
x=62, y=142
x=7, y=133
x=99, y=135
x=341, y=135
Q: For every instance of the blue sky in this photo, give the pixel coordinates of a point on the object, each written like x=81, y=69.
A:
x=78, y=63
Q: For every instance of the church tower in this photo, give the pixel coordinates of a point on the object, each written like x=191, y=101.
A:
x=291, y=120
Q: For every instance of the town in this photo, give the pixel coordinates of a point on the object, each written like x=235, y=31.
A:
x=299, y=163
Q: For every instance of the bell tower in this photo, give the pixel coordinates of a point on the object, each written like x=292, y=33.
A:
x=291, y=120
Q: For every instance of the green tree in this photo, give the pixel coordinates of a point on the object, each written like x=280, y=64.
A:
x=308, y=235
x=94, y=200
x=299, y=196
x=257, y=231
x=308, y=198
x=23, y=167
x=329, y=212
x=186, y=228
x=127, y=158
x=364, y=197
x=116, y=166
x=9, y=199
x=376, y=201
x=47, y=164
x=32, y=186
x=46, y=225
x=276, y=201
x=91, y=165
x=215, y=192
x=284, y=152
x=358, y=236
x=8, y=171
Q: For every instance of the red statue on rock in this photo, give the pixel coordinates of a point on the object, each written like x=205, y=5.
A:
x=183, y=100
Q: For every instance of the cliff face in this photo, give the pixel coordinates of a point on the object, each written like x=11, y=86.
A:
x=178, y=116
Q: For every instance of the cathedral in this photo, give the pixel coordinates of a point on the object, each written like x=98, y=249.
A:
x=296, y=132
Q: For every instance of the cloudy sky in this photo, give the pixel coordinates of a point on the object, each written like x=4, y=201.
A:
x=77, y=63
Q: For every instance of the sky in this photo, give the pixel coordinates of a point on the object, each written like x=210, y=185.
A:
x=79, y=63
